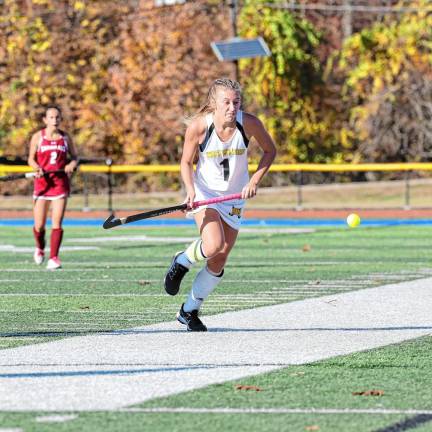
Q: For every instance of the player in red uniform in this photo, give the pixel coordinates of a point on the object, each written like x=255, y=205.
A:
x=49, y=151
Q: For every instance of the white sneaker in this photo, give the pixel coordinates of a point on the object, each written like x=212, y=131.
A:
x=53, y=263
x=38, y=256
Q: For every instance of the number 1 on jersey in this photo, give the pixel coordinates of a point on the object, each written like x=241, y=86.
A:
x=226, y=169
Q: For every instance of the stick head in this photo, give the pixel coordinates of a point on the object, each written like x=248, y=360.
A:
x=111, y=222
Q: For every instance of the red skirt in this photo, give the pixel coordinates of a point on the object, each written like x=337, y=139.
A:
x=51, y=186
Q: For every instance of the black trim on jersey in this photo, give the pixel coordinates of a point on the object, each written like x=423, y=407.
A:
x=209, y=132
x=242, y=131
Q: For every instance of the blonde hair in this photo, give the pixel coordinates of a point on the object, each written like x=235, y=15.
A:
x=208, y=107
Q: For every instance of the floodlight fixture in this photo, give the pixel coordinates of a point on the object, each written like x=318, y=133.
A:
x=237, y=48
x=160, y=3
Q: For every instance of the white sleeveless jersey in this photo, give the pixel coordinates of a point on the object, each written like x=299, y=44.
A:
x=222, y=166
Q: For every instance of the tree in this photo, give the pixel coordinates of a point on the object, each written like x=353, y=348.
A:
x=54, y=51
x=287, y=88
x=388, y=83
x=125, y=73
x=163, y=68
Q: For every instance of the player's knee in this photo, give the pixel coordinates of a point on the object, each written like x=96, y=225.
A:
x=217, y=264
x=213, y=248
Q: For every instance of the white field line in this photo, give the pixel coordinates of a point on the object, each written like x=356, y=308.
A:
x=124, y=239
x=387, y=275
x=264, y=294
x=106, y=279
x=250, y=298
x=11, y=430
x=338, y=282
x=145, y=238
x=84, y=265
x=257, y=301
x=104, y=320
x=250, y=302
x=66, y=294
x=36, y=270
x=80, y=281
x=280, y=292
x=307, y=290
x=101, y=320
x=55, y=418
x=292, y=283
x=26, y=249
x=50, y=329
x=278, y=230
x=310, y=288
x=90, y=312
x=395, y=277
x=238, y=344
x=276, y=411
x=88, y=267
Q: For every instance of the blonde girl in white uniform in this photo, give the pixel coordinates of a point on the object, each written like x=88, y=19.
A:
x=220, y=134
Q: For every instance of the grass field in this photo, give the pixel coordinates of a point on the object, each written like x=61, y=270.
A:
x=116, y=283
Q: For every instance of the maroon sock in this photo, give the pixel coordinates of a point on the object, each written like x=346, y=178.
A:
x=56, y=238
x=40, y=238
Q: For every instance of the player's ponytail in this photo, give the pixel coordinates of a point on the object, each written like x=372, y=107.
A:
x=208, y=107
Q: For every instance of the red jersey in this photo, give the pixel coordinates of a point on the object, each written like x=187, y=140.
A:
x=51, y=155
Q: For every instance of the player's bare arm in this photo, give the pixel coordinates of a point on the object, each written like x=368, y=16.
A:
x=32, y=154
x=72, y=165
x=194, y=134
x=255, y=128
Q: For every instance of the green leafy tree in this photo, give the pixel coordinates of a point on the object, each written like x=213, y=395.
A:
x=287, y=88
x=54, y=51
x=163, y=69
x=125, y=73
x=388, y=76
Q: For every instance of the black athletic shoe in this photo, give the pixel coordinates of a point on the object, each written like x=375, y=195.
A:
x=174, y=276
x=191, y=320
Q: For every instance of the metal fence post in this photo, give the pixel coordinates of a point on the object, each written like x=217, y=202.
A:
x=299, y=205
x=86, y=207
x=407, y=205
x=109, y=162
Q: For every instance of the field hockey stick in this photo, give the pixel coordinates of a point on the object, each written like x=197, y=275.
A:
x=112, y=221
x=26, y=175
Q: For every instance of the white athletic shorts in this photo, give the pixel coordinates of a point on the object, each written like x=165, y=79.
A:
x=230, y=211
x=49, y=198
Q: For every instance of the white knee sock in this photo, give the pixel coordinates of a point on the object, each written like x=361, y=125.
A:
x=205, y=282
x=192, y=254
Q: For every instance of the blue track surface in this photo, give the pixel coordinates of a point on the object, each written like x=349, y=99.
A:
x=160, y=222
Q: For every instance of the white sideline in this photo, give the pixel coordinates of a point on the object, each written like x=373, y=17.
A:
x=277, y=411
x=123, y=368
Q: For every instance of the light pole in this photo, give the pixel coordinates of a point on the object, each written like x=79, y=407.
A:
x=236, y=47
x=233, y=5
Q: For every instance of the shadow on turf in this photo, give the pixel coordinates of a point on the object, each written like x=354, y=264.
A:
x=166, y=368
x=407, y=424
x=114, y=332
x=212, y=330
x=347, y=329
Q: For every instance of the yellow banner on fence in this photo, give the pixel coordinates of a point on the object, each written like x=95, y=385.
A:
x=415, y=166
